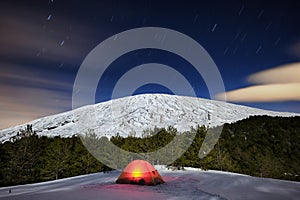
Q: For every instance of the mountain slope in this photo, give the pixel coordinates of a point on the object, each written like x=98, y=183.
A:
x=132, y=115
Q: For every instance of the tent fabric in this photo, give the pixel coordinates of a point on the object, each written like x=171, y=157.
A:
x=140, y=172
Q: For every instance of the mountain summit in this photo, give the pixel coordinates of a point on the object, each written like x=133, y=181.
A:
x=132, y=115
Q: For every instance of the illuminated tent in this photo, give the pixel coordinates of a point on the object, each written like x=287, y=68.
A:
x=140, y=172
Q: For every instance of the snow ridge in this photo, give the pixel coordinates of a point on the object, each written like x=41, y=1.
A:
x=133, y=114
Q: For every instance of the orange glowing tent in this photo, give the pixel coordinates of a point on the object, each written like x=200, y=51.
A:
x=140, y=172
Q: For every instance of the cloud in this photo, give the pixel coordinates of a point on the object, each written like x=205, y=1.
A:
x=263, y=93
x=27, y=95
x=13, y=74
x=277, y=84
x=289, y=73
x=19, y=105
x=31, y=83
x=27, y=35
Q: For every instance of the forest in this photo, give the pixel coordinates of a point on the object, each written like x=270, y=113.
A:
x=261, y=146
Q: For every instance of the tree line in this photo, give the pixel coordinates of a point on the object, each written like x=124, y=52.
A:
x=30, y=159
x=260, y=146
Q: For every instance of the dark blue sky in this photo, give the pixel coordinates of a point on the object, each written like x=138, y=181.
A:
x=43, y=44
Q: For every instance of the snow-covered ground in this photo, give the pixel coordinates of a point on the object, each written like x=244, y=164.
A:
x=132, y=115
x=189, y=184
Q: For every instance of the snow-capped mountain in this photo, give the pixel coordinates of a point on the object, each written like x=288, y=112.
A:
x=132, y=115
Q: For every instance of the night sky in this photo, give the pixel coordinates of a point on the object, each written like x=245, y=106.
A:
x=43, y=44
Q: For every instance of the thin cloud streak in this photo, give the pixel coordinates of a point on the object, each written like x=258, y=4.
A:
x=22, y=104
x=289, y=73
x=277, y=84
x=263, y=93
x=13, y=74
